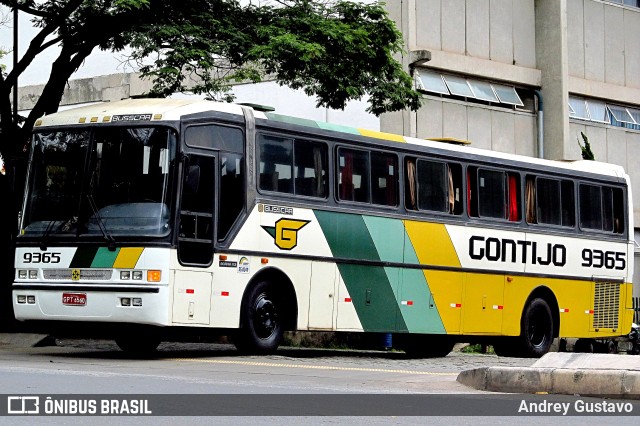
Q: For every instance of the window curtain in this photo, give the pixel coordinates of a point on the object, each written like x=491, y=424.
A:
x=513, y=199
x=531, y=201
x=346, y=174
x=451, y=195
x=411, y=179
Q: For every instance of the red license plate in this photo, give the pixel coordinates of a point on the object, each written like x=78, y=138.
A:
x=74, y=299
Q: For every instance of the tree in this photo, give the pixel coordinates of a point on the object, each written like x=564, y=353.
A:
x=335, y=50
x=587, y=154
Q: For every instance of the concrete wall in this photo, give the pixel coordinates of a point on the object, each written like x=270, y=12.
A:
x=588, y=48
x=489, y=39
x=603, y=46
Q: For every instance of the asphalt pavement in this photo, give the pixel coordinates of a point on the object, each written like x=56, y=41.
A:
x=602, y=375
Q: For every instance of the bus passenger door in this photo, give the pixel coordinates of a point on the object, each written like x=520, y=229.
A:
x=193, y=280
x=322, y=296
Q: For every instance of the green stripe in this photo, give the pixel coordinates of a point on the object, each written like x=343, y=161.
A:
x=338, y=128
x=370, y=287
x=105, y=258
x=378, y=292
x=291, y=120
x=83, y=257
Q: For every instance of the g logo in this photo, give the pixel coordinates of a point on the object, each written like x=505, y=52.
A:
x=285, y=233
x=75, y=274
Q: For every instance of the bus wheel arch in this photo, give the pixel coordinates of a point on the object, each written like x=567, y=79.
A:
x=269, y=307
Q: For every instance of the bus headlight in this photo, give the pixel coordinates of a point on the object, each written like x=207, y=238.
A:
x=22, y=274
x=137, y=275
x=125, y=275
x=33, y=274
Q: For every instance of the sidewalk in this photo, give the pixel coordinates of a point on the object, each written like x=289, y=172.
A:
x=603, y=375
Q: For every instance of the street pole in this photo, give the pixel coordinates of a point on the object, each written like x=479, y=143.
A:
x=15, y=59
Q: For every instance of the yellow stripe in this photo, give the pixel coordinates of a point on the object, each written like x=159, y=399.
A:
x=382, y=135
x=311, y=367
x=128, y=257
x=432, y=243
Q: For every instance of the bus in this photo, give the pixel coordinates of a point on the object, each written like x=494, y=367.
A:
x=148, y=218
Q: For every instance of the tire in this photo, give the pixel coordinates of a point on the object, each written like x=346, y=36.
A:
x=421, y=346
x=138, y=345
x=536, y=333
x=262, y=320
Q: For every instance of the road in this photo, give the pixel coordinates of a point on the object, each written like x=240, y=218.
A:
x=310, y=377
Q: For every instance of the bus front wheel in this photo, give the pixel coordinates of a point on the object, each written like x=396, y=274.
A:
x=262, y=318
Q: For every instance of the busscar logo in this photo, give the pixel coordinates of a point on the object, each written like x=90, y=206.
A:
x=23, y=405
x=285, y=232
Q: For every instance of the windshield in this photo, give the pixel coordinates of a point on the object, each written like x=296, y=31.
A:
x=107, y=182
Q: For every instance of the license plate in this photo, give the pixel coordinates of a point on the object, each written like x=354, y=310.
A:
x=74, y=299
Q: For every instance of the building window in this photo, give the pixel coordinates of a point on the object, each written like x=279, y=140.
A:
x=632, y=3
x=601, y=112
x=468, y=88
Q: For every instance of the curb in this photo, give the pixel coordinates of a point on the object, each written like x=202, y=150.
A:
x=623, y=384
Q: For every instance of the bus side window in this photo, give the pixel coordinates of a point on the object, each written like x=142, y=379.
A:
x=492, y=194
x=384, y=179
x=353, y=175
x=310, y=168
x=602, y=208
x=276, y=163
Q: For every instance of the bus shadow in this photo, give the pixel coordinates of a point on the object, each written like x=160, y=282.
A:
x=96, y=349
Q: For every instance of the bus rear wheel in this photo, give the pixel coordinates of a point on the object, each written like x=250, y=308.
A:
x=536, y=333
x=262, y=320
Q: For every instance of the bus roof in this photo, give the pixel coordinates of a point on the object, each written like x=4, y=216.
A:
x=173, y=109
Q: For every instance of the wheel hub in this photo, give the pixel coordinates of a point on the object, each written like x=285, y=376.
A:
x=265, y=317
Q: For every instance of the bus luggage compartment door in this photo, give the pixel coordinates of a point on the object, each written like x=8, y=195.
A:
x=192, y=297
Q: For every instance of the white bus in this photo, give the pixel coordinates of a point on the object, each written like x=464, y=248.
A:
x=149, y=218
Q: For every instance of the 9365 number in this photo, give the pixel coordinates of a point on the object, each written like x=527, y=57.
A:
x=45, y=257
x=604, y=259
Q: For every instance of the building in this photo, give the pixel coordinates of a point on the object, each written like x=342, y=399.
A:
x=527, y=77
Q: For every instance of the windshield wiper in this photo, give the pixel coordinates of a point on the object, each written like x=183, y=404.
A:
x=107, y=236
x=51, y=228
x=45, y=235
